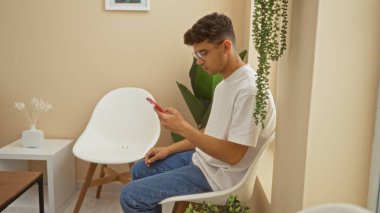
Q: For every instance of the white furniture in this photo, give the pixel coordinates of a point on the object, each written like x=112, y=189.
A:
x=335, y=208
x=122, y=128
x=243, y=189
x=60, y=168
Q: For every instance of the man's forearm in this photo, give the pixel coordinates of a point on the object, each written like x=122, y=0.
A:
x=223, y=150
x=181, y=146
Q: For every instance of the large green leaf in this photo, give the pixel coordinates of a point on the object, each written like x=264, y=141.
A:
x=243, y=55
x=192, y=73
x=216, y=79
x=176, y=137
x=205, y=117
x=193, y=103
x=201, y=81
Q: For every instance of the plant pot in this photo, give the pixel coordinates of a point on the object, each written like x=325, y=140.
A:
x=32, y=138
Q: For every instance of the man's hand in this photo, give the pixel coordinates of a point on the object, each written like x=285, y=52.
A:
x=172, y=120
x=155, y=154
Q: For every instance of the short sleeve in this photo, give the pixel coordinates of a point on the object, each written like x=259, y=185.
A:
x=243, y=129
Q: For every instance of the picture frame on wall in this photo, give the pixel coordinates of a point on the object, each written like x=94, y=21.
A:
x=138, y=5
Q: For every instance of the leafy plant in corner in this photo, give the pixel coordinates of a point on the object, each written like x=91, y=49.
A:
x=199, y=100
x=233, y=205
x=269, y=37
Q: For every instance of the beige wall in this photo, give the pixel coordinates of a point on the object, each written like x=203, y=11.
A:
x=326, y=98
x=343, y=101
x=71, y=53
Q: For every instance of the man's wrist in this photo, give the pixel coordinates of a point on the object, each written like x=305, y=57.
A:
x=170, y=150
x=189, y=132
x=184, y=129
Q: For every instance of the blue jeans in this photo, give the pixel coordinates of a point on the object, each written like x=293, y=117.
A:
x=175, y=175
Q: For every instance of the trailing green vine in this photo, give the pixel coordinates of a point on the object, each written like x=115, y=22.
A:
x=269, y=37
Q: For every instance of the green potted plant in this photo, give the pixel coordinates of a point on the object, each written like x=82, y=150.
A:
x=233, y=205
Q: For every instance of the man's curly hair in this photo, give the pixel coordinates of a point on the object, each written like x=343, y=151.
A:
x=213, y=28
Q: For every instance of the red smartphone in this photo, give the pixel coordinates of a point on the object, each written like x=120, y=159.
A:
x=155, y=105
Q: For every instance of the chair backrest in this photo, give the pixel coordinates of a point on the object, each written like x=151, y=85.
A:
x=243, y=189
x=335, y=208
x=122, y=128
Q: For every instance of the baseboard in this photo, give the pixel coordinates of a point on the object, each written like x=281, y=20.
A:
x=110, y=187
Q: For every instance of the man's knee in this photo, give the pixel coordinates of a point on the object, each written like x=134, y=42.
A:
x=137, y=169
x=124, y=199
x=132, y=198
x=127, y=197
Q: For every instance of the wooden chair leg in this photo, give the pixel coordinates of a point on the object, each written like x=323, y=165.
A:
x=99, y=188
x=180, y=207
x=86, y=184
x=130, y=171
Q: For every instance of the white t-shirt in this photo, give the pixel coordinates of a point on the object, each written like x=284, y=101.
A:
x=231, y=119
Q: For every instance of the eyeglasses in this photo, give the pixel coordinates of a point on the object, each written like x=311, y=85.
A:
x=202, y=53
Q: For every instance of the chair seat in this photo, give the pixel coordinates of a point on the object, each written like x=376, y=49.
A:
x=110, y=151
x=110, y=154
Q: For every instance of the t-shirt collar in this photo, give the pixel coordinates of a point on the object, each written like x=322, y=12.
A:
x=235, y=74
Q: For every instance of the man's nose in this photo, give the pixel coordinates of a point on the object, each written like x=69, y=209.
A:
x=199, y=61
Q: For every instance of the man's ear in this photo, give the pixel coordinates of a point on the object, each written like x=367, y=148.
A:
x=227, y=46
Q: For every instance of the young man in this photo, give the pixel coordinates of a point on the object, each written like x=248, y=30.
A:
x=217, y=158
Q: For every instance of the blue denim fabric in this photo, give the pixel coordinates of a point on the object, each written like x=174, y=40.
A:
x=175, y=175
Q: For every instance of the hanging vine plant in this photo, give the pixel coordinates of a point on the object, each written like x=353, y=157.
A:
x=269, y=37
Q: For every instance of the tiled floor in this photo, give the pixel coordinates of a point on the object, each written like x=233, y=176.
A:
x=107, y=203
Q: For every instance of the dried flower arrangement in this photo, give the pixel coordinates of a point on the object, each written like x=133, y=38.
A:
x=39, y=106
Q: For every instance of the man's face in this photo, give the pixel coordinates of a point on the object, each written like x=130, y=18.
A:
x=210, y=56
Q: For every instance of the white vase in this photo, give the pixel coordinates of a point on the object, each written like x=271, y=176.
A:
x=32, y=138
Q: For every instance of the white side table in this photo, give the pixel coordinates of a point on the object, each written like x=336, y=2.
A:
x=60, y=167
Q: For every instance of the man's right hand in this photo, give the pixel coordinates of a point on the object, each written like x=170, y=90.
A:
x=155, y=154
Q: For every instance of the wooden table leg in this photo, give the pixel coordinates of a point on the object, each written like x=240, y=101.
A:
x=40, y=182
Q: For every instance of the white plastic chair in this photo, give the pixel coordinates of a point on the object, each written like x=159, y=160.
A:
x=122, y=128
x=335, y=208
x=243, y=189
